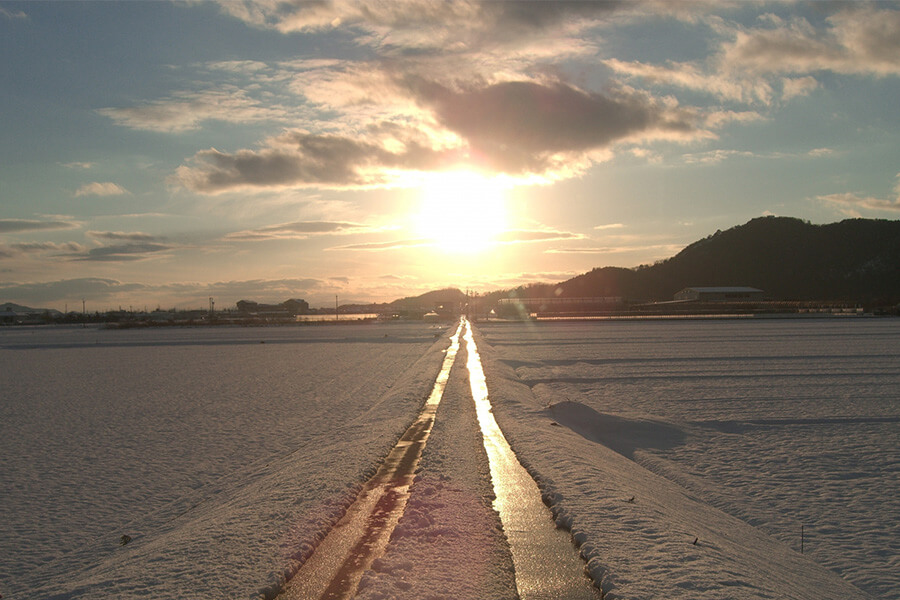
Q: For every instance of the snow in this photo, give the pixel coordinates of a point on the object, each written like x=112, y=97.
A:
x=648, y=436
x=226, y=459
x=223, y=458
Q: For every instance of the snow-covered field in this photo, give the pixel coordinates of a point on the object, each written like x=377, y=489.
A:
x=223, y=453
x=779, y=423
x=225, y=458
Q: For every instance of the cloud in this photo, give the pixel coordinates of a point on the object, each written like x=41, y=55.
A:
x=523, y=126
x=392, y=245
x=121, y=252
x=262, y=290
x=112, y=291
x=731, y=86
x=90, y=288
x=421, y=24
x=610, y=226
x=298, y=230
x=79, y=165
x=662, y=249
x=97, y=188
x=134, y=236
x=301, y=159
x=185, y=111
x=718, y=118
x=12, y=250
x=20, y=225
x=12, y=14
x=794, y=87
x=518, y=236
x=853, y=204
x=862, y=39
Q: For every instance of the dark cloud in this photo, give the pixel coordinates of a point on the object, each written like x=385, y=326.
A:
x=117, y=236
x=121, y=252
x=303, y=159
x=517, y=125
x=513, y=127
x=11, y=250
x=18, y=225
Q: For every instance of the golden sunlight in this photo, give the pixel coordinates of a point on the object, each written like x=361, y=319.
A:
x=462, y=211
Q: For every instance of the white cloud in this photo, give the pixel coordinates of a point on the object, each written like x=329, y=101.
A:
x=793, y=87
x=298, y=230
x=97, y=188
x=852, y=203
x=861, y=39
x=730, y=86
x=185, y=111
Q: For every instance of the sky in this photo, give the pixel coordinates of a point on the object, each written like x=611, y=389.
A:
x=158, y=154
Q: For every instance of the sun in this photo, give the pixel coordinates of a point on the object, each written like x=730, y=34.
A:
x=462, y=212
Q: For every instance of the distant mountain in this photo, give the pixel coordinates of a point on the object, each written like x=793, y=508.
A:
x=10, y=307
x=856, y=260
x=430, y=300
x=450, y=298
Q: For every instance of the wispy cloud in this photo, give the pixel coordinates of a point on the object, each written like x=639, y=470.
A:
x=12, y=14
x=20, y=225
x=519, y=236
x=794, y=87
x=98, y=188
x=298, y=230
x=185, y=111
x=117, y=236
x=391, y=245
x=25, y=248
x=854, y=204
x=128, y=252
x=731, y=86
x=664, y=249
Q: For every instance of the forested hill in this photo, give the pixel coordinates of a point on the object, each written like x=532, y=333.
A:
x=855, y=260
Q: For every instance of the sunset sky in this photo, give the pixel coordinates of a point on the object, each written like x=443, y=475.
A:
x=158, y=154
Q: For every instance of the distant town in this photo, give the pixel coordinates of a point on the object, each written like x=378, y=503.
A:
x=449, y=304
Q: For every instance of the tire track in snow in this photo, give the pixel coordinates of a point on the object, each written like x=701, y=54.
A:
x=547, y=565
x=334, y=569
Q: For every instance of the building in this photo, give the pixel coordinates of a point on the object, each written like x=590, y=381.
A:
x=288, y=308
x=720, y=294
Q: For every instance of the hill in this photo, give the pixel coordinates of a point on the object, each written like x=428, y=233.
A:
x=856, y=260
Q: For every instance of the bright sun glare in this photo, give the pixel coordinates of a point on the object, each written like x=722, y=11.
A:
x=462, y=211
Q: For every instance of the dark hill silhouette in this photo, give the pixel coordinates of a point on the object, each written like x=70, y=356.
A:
x=856, y=260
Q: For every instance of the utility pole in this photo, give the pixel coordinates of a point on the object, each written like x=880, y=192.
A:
x=336, y=317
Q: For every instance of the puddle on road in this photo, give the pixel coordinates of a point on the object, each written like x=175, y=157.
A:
x=336, y=566
x=547, y=564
